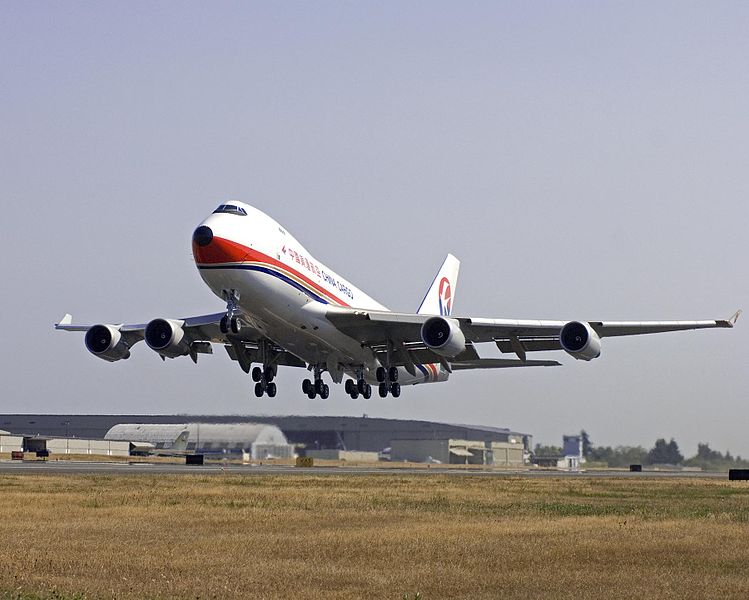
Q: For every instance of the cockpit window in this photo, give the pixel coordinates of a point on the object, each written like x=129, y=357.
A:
x=231, y=209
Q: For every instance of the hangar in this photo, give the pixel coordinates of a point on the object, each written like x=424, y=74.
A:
x=260, y=440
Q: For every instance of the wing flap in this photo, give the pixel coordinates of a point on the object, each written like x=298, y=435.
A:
x=502, y=363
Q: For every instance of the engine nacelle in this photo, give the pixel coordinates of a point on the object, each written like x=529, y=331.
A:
x=443, y=336
x=167, y=337
x=105, y=341
x=580, y=340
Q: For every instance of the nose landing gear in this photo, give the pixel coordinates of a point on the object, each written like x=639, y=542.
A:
x=230, y=321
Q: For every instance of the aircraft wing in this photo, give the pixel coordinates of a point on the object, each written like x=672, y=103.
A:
x=402, y=332
x=199, y=333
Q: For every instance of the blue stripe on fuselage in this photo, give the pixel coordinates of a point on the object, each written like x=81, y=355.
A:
x=424, y=372
x=269, y=271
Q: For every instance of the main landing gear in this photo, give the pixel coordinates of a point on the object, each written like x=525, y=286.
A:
x=264, y=381
x=388, y=380
x=316, y=388
x=358, y=387
x=230, y=321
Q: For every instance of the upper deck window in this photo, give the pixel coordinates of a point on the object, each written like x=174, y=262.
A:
x=231, y=209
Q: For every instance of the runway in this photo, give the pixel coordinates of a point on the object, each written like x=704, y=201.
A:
x=139, y=468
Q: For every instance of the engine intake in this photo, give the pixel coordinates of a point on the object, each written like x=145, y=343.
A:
x=443, y=336
x=105, y=341
x=167, y=337
x=580, y=340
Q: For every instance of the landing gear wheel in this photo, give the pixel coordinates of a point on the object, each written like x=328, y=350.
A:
x=355, y=394
x=271, y=389
x=236, y=325
x=349, y=386
x=367, y=393
x=325, y=392
x=395, y=389
x=380, y=374
x=361, y=385
x=307, y=386
x=223, y=324
x=259, y=389
x=311, y=394
x=393, y=373
x=383, y=390
x=269, y=374
x=257, y=374
x=319, y=386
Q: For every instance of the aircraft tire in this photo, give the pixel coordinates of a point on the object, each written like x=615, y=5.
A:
x=271, y=390
x=306, y=386
x=367, y=394
x=269, y=374
x=236, y=325
x=361, y=385
x=259, y=389
x=395, y=389
x=380, y=374
x=319, y=386
x=349, y=386
x=223, y=325
x=393, y=373
x=311, y=394
x=325, y=392
x=257, y=374
x=383, y=390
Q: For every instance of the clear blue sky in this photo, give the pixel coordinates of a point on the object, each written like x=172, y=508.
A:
x=583, y=160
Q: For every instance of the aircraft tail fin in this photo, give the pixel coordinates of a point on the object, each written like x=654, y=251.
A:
x=180, y=444
x=441, y=295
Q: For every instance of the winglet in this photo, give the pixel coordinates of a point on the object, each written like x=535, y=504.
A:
x=66, y=320
x=729, y=322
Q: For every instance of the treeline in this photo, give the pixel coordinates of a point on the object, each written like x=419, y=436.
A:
x=661, y=453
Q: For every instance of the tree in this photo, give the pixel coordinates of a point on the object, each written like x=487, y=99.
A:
x=547, y=450
x=665, y=453
x=705, y=453
x=587, y=446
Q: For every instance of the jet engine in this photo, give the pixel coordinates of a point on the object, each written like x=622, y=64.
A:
x=580, y=340
x=167, y=337
x=105, y=341
x=443, y=336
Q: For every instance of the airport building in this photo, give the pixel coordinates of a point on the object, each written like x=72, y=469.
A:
x=485, y=444
x=459, y=452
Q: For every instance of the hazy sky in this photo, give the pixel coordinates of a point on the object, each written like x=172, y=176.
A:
x=583, y=160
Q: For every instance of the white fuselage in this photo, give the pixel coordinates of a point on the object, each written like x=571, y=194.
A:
x=284, y=292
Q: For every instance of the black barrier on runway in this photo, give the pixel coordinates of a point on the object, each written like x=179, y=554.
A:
x=635, y=468
x=738, y=474
x=194, y=459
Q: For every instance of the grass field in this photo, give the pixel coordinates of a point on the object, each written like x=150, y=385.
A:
x=378, y=536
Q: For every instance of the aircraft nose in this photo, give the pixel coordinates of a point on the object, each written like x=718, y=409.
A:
x=202, y=236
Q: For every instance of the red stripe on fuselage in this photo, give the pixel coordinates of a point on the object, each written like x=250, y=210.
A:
x=433, y=369
x=221, y=250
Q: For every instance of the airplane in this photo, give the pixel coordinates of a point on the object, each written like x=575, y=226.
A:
x=177, y=448
x=286, y=308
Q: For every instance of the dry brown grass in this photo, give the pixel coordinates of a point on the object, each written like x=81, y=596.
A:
x=378, y=536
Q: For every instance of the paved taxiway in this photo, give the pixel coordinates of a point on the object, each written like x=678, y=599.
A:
x=77, y=468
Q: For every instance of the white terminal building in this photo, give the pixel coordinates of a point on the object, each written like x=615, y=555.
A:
x=260, y=440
